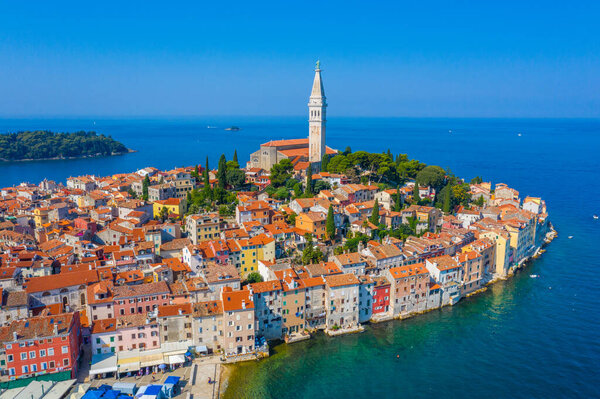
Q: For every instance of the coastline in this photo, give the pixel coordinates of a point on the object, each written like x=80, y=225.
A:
x=5, y=161
x=227, y=370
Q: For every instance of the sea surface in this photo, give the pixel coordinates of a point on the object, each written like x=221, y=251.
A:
x=523, y=338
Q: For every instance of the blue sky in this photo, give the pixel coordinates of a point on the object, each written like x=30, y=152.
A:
x=435, y=58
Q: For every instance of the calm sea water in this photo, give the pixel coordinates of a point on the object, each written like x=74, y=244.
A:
x=523, y=338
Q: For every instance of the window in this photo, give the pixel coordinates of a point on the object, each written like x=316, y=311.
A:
x=65, y=349
x=9, y=358
x=23, y=355
x=98, y=340
x=11, y=371
x=33, y=368
x=112, y=339
x=50, y=351
x=32, y=355
x=8, y=346
x=51, y=364
x=65, y=362
x=44, y=365
x=25, y=369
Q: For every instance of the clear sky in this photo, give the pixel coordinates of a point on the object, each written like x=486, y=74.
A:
x=397, y=58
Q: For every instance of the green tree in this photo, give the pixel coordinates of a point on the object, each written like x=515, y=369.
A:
x=431, y=176
x=476, y=180
x=254, y=277
x=330, y=223
x=281, y=172
x=415, y=195
x=163, y=213
x=324, y=162
x=236, y=178
x=398, y=201
x=375, y=218
x=132, y=193
x=347, y=151
x=145, y=185
x=309, y=182
x=235, y=157
x=321, y=185
x=447, y=200
x=222, y=172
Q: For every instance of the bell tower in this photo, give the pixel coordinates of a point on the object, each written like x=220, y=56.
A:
x=317, y=106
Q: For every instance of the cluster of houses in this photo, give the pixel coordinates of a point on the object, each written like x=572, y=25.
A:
x=87, y=266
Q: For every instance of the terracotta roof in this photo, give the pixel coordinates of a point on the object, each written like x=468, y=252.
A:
x=175, y=310
x=37, y=327
x=56, y=281
x=340, y=280
x=210, y=308
x=236, y=300
x=127, y=291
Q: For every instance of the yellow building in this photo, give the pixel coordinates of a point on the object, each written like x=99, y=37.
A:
x=40, y=216
x=260, y=247
x=175, y=206
x=502, y=240
x=313, y=222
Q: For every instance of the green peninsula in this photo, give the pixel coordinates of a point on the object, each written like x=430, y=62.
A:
x=44, y=144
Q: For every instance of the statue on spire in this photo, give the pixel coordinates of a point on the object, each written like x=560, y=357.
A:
x=318, y=65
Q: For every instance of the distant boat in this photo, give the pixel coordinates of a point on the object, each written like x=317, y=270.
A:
x=211, y=127
x=570, y=237
x=450, y=131
x=233, y=128
x=519, y=134
x=534, y=275
x=595, y=216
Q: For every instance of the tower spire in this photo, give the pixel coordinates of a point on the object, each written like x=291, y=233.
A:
x=317, y=118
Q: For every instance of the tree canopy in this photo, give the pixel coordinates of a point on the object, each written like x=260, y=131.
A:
x=41, y=144
x=431, y=176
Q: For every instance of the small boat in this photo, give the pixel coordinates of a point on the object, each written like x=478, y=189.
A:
x=595, y=216
x=534, y=275
x=233, y=128
x=570, y=237
x=449, y=131
x=519, y=135
x=211, y=127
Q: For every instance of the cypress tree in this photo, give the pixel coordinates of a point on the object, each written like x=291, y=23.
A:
x=390, y=156
x=145, y=185
x=397, y=205
x=330, y=223
x=309, y=182
x=446, y=204
x=375, y=214
x=235, y=158
x=416, y=196
x=222, y=171
x=324, y=162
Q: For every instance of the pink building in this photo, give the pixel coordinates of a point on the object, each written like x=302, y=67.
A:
x=137, y=332
x=140, y=299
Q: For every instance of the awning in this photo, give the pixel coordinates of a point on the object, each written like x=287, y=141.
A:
x=126, y=367
x=103, y=363
x=176, y=359
x=201, y=349
x=151, y=360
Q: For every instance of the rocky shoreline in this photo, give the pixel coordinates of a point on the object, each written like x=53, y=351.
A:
x=129, y=151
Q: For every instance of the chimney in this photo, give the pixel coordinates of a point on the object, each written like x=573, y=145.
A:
x=55, y=330
x=243, y=304
x=90, y=266
x=180, y=311
x=15, y=336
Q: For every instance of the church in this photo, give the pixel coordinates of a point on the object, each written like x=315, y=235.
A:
x=301, y=152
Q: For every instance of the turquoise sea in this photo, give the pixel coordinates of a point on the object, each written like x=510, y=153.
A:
x=523, y=338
